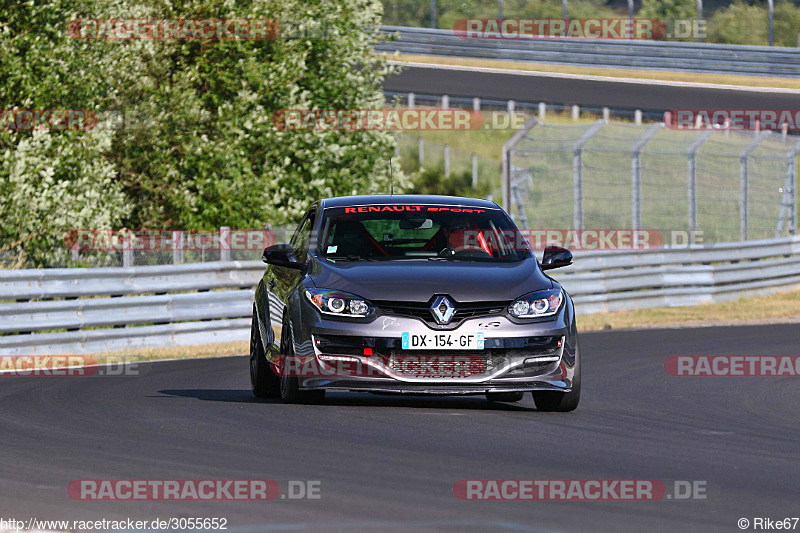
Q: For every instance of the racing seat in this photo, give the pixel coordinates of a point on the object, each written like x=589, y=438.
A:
x=469, y=240
x=351, y=238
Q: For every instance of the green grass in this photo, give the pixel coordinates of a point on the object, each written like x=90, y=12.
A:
x=778, y=307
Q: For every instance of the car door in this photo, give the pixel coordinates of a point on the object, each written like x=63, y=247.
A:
x=282, y=282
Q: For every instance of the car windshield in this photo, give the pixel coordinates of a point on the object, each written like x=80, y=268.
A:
x=432, y=232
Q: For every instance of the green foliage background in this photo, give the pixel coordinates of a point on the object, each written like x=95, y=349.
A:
x=185, y=139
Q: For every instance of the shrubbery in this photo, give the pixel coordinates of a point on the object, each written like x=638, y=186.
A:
x=196, y=148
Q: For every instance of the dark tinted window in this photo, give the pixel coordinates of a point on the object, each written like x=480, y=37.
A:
x=395, y=232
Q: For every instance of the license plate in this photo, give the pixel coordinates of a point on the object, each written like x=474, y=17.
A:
x=442, y=341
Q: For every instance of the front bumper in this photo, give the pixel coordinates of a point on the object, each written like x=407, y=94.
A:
x=356, y=355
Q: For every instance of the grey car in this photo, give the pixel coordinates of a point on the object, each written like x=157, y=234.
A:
x=413, y=294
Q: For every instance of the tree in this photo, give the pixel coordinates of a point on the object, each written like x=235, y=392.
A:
x=189, y=137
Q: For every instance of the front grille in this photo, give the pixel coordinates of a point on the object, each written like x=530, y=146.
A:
x=463, y=310
x=436, y=364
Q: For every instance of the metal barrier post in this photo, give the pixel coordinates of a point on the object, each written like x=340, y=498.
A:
x=177, y=247
x=577, y=173
x=474, y=171
x=691, y=177
x=127, y=252
x=224, y=243
x=506, y=159
x=636, y=175
x=744, y=184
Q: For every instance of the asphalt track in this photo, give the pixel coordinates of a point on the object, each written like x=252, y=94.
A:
x=389, y=464
x=529, y=87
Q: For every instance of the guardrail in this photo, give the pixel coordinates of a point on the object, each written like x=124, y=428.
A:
x=619, y=280
x=87, y=310
x=650, y=55
x=108, y=309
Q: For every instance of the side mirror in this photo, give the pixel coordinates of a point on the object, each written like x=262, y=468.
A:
x=556, y=257
x=281, y=255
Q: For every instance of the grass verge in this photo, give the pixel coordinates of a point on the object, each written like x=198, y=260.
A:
x=665, y=75
x=175, y=352
x=778, y=307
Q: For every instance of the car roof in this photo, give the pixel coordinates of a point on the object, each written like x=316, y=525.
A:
x=395, y=199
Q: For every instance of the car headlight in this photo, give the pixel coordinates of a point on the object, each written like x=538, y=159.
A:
x=537, y=304
x=338, y=303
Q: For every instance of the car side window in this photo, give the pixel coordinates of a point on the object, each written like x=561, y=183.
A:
x=302, y=237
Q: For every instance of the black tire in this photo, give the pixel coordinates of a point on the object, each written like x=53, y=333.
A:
x=505, y=396
x=289, y=385
x=263, y=380
x=563, y=402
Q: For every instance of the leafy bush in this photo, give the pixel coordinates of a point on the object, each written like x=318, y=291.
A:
x=191, y=144
x=433, y=181
x=667, y=10
x=742, y=23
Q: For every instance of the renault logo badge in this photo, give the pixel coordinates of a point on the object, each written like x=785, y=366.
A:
x=443, y=310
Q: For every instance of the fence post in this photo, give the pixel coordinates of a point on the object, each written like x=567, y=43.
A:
x=510, y=107
x=637, y=117
x=636, y=175
x=744, y=185
x=576, y=112
x=411, y=100
x=606, y=113
x=474, y=171
x=699, y=21
x=542, y=111
x=446, y=160
x=476, y=104
x=506, y=159
x=445, y=101
x=127, y=252
x=791, y=181
x=177, y=247
x=771, y=15
x=421, y=143
x=577, y=173
x=224, y=243
x=691, y=178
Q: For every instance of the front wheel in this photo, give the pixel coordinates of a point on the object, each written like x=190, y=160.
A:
x=263, y=380
x=289, y=385
x=548, y=400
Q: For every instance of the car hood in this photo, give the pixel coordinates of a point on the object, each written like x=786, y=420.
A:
x=418, y=281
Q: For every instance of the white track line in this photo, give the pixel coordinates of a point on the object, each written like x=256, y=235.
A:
x=540, y=74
